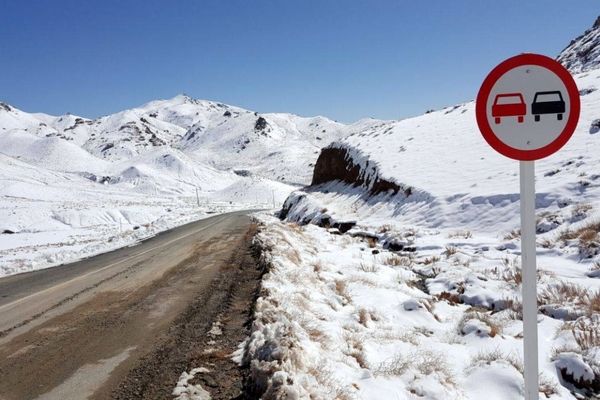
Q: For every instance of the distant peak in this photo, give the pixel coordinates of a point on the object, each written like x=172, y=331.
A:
x=5, y=107
x=184, y=98
x=583, y=53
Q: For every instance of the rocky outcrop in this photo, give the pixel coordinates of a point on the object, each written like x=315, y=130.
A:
x=261, y=124
x=336, y=163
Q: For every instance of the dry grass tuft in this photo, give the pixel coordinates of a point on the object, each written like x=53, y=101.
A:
x=450, y=251
x=512, y=275
x=514, y=234
x=587, y=236
x=495, y=328
x=384, y=228
x=587, y=332
x=368, y=267
x=327, y=381
x=580, y=211
x=547, y=386
x=489, y=357
x=426, y=362
x=341, y=288
x=431, y=260
x=317, y=266
x=371, y=242
x=294, y=226
x=394, y=366
x=365, y=316
x=466, y=234
x=566, y=293
x=452, y=298
x=363, y=280
x=396, y=261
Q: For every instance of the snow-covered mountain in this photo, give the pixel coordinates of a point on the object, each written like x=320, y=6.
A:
x=278, y=146
x=583, y=53
x=134, y=168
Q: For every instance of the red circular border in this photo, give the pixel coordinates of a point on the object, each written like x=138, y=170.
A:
x=486, y=88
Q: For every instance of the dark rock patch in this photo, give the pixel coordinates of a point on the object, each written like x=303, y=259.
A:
x=261, y=124
x=335, y=164
x=595, y=126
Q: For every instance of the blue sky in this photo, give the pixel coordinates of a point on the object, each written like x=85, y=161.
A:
x=342, y=59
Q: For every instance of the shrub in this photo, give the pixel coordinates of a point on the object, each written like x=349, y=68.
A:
x=514, y=234
x=372, y=242
x=466, y=234
x=395, y=260
x=586, y=331
x=494, y=327
x=341, y=288
x=580, y=211
x=586, y=300
x=450, y=251
x=384, y=228
x=489, y=357
x=368, y=267
x=425, y=361
x=431, y=260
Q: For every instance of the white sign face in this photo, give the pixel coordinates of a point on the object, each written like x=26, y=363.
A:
x=528, y=107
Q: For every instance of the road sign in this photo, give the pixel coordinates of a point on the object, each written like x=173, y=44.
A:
x=527, y=109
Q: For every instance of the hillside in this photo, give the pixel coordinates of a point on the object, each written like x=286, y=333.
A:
x=402, y=272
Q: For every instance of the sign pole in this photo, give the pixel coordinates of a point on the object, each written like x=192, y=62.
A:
x=527, y=109
x=529, y=277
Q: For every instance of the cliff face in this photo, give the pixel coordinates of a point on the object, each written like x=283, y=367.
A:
x=337, y=163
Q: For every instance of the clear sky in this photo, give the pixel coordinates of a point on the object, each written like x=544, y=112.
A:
x=342, y=59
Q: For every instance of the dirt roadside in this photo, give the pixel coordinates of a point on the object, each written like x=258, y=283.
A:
x=205, y=335
x=133, y=342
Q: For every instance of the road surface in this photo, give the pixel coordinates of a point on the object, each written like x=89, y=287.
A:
x=126, y=324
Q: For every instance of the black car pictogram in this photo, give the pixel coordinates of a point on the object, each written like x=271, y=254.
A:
x=548, y=103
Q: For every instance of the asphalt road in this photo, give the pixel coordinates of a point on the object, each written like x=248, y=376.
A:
x=78, y=331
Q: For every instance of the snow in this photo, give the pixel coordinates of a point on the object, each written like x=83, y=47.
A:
x=72, y=187
x=421, y=297
x=414, y=294
x=188, y=391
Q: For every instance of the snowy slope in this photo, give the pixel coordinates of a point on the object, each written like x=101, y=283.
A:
x=456, y=178
x=396, y=274
x=583, y=53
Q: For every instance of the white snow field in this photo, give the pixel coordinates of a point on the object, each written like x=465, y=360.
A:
x=396, y=275
x=72, y=187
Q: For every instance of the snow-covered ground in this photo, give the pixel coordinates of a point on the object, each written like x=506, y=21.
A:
x=49, y=217
x=401, y=279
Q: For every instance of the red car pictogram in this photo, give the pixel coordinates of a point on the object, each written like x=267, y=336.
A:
x=509, y=105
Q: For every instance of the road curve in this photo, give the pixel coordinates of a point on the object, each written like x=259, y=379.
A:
x=76, y=331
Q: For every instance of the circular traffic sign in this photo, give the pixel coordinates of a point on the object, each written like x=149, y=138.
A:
x=528, y=107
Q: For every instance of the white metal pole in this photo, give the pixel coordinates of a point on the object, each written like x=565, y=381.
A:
x=528, y=268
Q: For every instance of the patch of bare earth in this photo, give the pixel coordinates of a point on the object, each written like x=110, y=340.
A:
x=205, y=335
